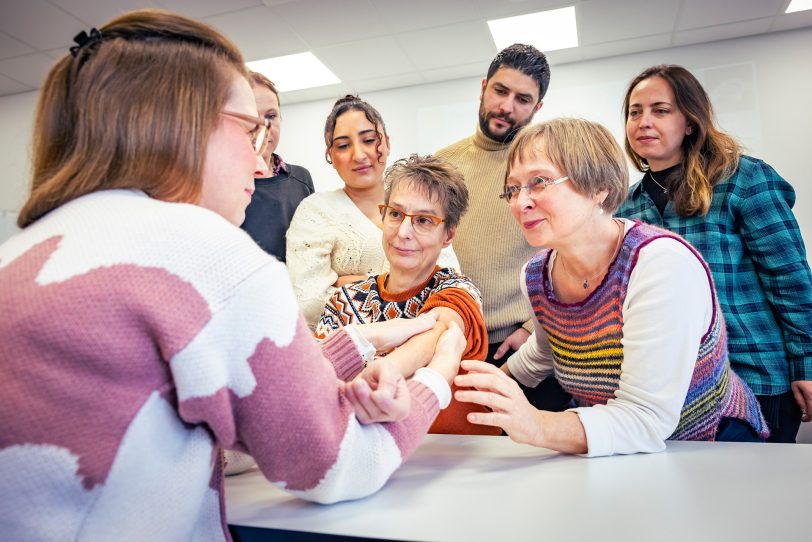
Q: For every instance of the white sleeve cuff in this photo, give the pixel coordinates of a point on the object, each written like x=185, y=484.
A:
x=436, y=383
x=364, y=347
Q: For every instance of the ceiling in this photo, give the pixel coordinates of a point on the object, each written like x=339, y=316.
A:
x=379, y=44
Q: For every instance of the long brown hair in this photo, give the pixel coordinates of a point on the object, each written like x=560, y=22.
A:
x=133, y=109
x=709, y=156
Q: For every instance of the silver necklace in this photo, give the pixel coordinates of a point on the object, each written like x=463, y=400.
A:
x=651, y=174
x=618, y=243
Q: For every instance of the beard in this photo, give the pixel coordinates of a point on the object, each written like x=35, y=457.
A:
x=510, y=133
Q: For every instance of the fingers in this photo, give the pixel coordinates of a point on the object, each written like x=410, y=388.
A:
x=476, y=366
x=494, y=401
x=388, y=401
x=358, y=394
x=492, y=419
x=802, y=391
x=503, y=348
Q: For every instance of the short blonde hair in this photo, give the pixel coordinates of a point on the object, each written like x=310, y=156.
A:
x=583, y=150
x=132, y=109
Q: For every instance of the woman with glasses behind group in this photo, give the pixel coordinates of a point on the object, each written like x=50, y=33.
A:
x=126, y=356
x=626, y=313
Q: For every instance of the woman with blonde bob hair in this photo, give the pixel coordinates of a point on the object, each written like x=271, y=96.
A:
x=626, y=314
x=127, y=360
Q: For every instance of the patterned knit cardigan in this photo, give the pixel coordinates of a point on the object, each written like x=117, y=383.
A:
x=586, y=342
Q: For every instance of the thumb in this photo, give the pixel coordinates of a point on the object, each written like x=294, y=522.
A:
x=501, y=350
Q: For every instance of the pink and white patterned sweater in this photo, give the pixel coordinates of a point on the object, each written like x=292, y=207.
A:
x=137, y=338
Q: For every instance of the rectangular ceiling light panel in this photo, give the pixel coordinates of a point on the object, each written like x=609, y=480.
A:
x=295, y=72
x=545, y=30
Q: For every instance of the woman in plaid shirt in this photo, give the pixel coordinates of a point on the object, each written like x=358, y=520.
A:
x=737, y=211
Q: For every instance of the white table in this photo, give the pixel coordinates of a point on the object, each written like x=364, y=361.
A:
x=472, y=488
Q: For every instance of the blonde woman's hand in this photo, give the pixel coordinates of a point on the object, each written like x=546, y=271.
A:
x=491, y=387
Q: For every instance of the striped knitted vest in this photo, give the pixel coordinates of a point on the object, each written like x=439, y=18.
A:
x=586, y=342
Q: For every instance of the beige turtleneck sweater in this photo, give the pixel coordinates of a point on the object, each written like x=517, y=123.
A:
x=489, y=244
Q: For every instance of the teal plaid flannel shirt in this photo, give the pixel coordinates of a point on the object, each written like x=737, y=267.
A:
x=753, y=245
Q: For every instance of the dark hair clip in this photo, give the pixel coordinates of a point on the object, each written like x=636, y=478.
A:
x=82, y=39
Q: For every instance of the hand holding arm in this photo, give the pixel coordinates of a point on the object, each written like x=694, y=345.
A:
x=379, y=394
x=385, y=336
x=493, y=388
x=449, y=350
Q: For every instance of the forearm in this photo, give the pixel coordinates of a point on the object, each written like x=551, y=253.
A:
x=562, y=432
x=417, y=351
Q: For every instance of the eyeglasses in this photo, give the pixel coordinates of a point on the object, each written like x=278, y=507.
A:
x=534, y=188
x=259, y=135
x=422, y=224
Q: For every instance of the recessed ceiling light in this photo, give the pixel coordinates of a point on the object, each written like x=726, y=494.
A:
x=799, y=5
x=545, y=30
x=294, y=72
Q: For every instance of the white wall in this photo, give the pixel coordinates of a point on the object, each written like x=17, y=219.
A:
x=760, y=87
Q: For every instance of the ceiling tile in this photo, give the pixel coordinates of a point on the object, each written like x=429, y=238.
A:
x=206, y=8
x=564, y=56
x=259, y=33
x=39, y=24
x=400, y=16
x=10, y=47
x=450, y=45
x=623, y=47
x=789, y=21
x=703, y=13
x=321, y=23
x=95, y=13
x=473, y=69
x=27, y=69
x=392, y=81
x=361, y=59
x=499, y=10
x=10, y=86
x=608, y=20
x=329, y=92
x=722, y=32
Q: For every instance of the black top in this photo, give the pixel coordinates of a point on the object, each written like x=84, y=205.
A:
x=268, y=216
x=659, y=188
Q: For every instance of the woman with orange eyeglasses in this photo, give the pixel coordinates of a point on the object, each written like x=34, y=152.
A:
x=424, y=201
x=335, y=236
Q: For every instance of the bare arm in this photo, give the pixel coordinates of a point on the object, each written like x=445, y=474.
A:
x=418, y=351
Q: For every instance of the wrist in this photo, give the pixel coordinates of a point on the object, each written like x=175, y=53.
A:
x=540, y=438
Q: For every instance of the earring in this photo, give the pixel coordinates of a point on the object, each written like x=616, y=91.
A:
x=600, y=209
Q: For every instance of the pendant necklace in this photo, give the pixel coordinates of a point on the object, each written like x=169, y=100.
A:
x=651, y=174
x=618, y=243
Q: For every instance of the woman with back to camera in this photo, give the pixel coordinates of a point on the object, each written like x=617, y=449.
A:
x=335, y=236
x=626, y=313
x=737, y=211
x=276, y=197
x=126, y=358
